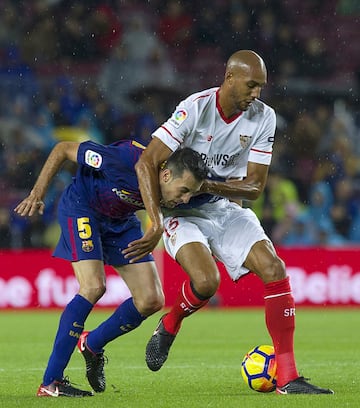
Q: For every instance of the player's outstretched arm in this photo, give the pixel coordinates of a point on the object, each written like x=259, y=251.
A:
x=34, y=201
x=147, y=171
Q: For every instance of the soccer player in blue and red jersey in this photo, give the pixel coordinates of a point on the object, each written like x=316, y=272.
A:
x=97, y=218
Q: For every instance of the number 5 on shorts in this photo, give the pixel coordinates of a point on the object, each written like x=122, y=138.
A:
x=84, y=228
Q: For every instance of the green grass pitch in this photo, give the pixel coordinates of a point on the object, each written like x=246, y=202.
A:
x=203, y=369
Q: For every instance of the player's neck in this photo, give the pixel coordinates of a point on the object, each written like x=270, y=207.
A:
x=224, y=103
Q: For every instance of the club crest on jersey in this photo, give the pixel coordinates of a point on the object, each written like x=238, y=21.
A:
x=245, y=141
x=87, y=245
x=178, y=117
x=93, y=159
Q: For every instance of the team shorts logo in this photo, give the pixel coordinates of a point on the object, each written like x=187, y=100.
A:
x=87, y=246
x=173, y=238
x=178, y=117
x=245, y=141
x=93, y=159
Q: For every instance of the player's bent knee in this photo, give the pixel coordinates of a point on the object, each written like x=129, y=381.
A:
x=93, y=294
x=150, y=304
x=206, y=287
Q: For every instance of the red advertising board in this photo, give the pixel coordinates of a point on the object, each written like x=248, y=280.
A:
x=319, y=277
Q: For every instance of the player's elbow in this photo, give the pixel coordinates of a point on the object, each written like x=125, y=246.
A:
x=254, y=192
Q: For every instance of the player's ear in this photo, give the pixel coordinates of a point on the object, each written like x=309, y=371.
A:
x=166, y=175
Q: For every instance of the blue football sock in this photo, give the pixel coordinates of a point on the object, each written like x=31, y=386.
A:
x=70, y=327
x=125, y=318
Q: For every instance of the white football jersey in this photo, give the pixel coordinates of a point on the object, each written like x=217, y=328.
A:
x=226, y=144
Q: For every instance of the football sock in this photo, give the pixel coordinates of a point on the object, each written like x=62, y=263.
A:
x=187, y=302
x=280, y=321
x=125, y=318
x=71, y=325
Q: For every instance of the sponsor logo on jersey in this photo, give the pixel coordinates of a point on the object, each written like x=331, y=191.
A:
x=87, y=245
x=178, y=117
x=209, y=138
x=128, y=197
x=221, y=159
x=245, y=141
x=93, y=159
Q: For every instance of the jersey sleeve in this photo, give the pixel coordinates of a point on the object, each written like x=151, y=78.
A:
x=91, y=154
x=100, y=157
x=261, y=151
x=173, y=132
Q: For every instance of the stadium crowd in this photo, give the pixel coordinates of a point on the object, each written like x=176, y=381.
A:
x=108, y=70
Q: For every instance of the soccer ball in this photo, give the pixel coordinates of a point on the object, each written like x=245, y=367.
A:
x=258, y=368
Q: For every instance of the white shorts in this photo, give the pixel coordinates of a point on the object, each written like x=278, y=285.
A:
x=226, y=229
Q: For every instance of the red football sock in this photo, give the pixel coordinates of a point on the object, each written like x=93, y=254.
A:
x=280, y=321
x=186, y=303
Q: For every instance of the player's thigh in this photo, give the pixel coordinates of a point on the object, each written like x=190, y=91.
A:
x=264, y=262
x=187, y=243
x=90, y=273
x=197, y=261
x=141, y=278
x=239, y=230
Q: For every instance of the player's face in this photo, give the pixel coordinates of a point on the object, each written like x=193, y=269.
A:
x=246, y=87
x=179, y=190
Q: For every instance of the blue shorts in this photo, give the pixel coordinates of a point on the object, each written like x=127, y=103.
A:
x=89, y=235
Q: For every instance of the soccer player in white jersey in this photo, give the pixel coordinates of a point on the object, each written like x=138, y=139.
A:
x=234, y=132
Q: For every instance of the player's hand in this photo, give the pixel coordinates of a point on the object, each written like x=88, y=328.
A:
x=30, y=205
x=144, y=246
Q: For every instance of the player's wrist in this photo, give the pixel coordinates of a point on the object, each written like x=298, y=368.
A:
x=205, y=187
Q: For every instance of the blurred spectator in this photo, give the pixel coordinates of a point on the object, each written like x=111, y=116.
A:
x=10, y=29
x=285, y=60
x=237, y=34
x=315, y=59
x=74, y=38
x=105, y=28
x=305, y=138
x=345, y=207
x=43, y=126
x=327, y=236
x=209, y=27
x=138, y=62
x=5, y=228
x=21, y=153
x=279, y=200
x=348, y=7
x=33, y=232
x=176, y=28
x=354, y=234
x=266, y=31
x=321, y=200
x=295, y=229
x=39, y=43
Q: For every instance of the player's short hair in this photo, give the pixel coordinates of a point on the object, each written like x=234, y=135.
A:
x=187, y=159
